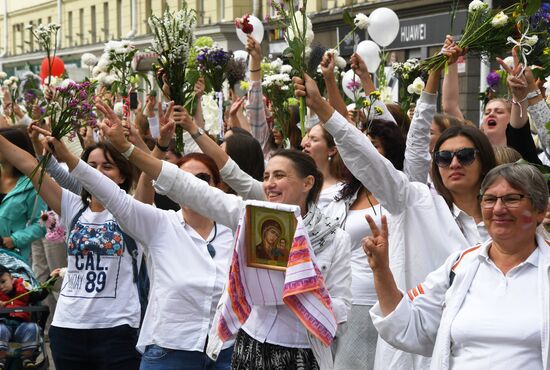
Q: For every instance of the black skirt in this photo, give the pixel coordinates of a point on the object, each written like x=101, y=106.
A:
x=249, y=354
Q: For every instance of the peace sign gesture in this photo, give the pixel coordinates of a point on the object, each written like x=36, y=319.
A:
x=376, y=245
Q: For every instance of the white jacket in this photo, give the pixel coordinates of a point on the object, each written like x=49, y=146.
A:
x=226, y=209
x=423, y=232
x=423, y=325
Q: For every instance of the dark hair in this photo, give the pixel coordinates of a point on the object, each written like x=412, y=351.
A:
x=486, y=155
x=391, y=139
x=392, y=142
x=20, y=139
x=305, y=166
x=247, y=152
x=294, y=134
x=207, y=161
x=240, y=130
x=402, y=119
x=337, y=167
x=4, y=270
x=127, y=170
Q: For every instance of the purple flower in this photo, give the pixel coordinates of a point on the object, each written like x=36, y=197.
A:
x=493, y=79
x=73, y=103
x=354, y=85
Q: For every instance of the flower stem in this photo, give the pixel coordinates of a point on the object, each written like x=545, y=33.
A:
x=345, y=37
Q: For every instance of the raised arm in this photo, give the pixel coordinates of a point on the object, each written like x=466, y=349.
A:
x=328, y=63
x=49, y=190
x=177, y=184
x=389, y=186
x=450, y=102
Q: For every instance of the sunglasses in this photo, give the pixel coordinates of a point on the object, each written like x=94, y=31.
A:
x=203, y=176
x=465, y=157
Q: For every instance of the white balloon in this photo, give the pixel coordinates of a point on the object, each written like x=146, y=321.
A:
x=347, y=78
x=370, y=53
x=240, y=55
x=257, y=32
x=383, y=26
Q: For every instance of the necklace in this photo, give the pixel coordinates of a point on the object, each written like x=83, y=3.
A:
x=209, y=246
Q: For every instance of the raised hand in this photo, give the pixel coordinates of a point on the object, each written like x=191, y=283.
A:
x=253, y=48
x=359, y=66
x=183, y=119
x=150, y=102
x=376, y=245
x=112, y=127
x=167, y=125
x=57, y=147
x=199, y=87
x=328, y=63
x=451, y=50
x=236, y=106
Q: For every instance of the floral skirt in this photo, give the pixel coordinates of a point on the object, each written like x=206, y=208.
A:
x=249, y=354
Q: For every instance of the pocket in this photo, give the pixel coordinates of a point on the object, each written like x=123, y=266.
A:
x=154, y=352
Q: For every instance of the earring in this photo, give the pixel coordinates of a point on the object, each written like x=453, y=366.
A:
x=329, y=158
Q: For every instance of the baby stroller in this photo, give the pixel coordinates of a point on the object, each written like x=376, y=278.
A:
x=39, y=313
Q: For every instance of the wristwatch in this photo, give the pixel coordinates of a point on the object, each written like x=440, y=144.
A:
x=198, y=134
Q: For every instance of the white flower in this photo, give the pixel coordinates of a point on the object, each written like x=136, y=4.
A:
x=276, y=64
x=66, y=82
x=416, y=87
x=509, y=61
x=101, y=77
x=499, y=20
x=3, y=75
x=103, y=63
x=476, y=5
x=96, y=71
x=7, y=83
x=386, y=95
x=286, y=69
x=88, y=60
x=361, y=21
x=119, y=109
x=109, y=79
x=300, y=21
x=62, y=272
x=54, y=81
x=547, y=85
x=531, y=40
x=112, y=45
x=334, y=52
x=341, y=62
x=14, y=79
x=210, y=114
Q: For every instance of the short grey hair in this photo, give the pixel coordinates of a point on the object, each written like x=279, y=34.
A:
x=524, y=177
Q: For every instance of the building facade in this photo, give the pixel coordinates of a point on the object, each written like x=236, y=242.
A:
x=88, y=24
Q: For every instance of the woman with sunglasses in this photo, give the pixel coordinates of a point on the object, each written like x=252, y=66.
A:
x=462, y=312
x=423, y=228
x=272, y=337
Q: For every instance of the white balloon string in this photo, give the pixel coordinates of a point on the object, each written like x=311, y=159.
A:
x=219, y=96
x=524, y=48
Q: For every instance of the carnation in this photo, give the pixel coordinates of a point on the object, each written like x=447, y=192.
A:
x=476, y=5
x=119, y=109
x=88, y=59
x=62, y=272
x=112, y=46
x=416, y=87
x=341, y=62
x=361, y=21
x=499, y=20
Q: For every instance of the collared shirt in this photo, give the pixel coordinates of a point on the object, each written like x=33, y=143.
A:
x=474, y=233
x=499, y=320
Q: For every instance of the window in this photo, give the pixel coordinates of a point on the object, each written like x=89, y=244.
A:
x=81, y=26
x=148, y=13
x=31, y=39
x=93, y=30
x=221, y=10
x=69, y=35
x=119, y=19
x=105, y=28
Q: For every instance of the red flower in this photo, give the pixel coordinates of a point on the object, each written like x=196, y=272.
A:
x=244, y=24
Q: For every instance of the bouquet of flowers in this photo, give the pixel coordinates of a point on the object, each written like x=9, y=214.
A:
x=70, y=109
x=299, y=35
x=46, y=36
x=278, y=89
x=411, y=82
x=486, y=32
x=119, y=56
x=370, y=108
x=212, y=62
x=173, y=40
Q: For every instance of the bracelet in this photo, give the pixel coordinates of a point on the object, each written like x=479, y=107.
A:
x=256, y=70
x=129, y=151
x=533, y=94
x=162, y=148
x=518, y=103
x=514, y=101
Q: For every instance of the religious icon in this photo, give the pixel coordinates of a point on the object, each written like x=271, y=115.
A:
x=269, y=237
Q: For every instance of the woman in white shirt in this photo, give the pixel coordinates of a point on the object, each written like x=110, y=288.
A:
x=291, y=177
x=487, y=306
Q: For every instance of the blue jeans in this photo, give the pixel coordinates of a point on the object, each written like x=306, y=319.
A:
x=26, y=333
x=94, y=349
x=159, y=358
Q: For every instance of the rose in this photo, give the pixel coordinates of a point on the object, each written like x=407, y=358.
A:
x=416, y=87
x=476, y=5
x=361, y=21
x=244, y=24
x=499, y=20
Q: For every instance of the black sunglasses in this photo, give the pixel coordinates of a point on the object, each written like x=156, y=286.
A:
x=203, y=176
x=465, y=157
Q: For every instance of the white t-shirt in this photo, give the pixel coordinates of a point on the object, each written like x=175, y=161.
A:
x=98, y=290
x=362, y=279
x=327, y=195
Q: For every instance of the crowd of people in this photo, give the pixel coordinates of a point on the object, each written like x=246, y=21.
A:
x=429, y=234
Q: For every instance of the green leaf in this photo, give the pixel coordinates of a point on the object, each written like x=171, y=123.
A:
x=532, y=7
x=348, y=19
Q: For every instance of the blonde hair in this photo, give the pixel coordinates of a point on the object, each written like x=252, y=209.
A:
x=505, y=154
